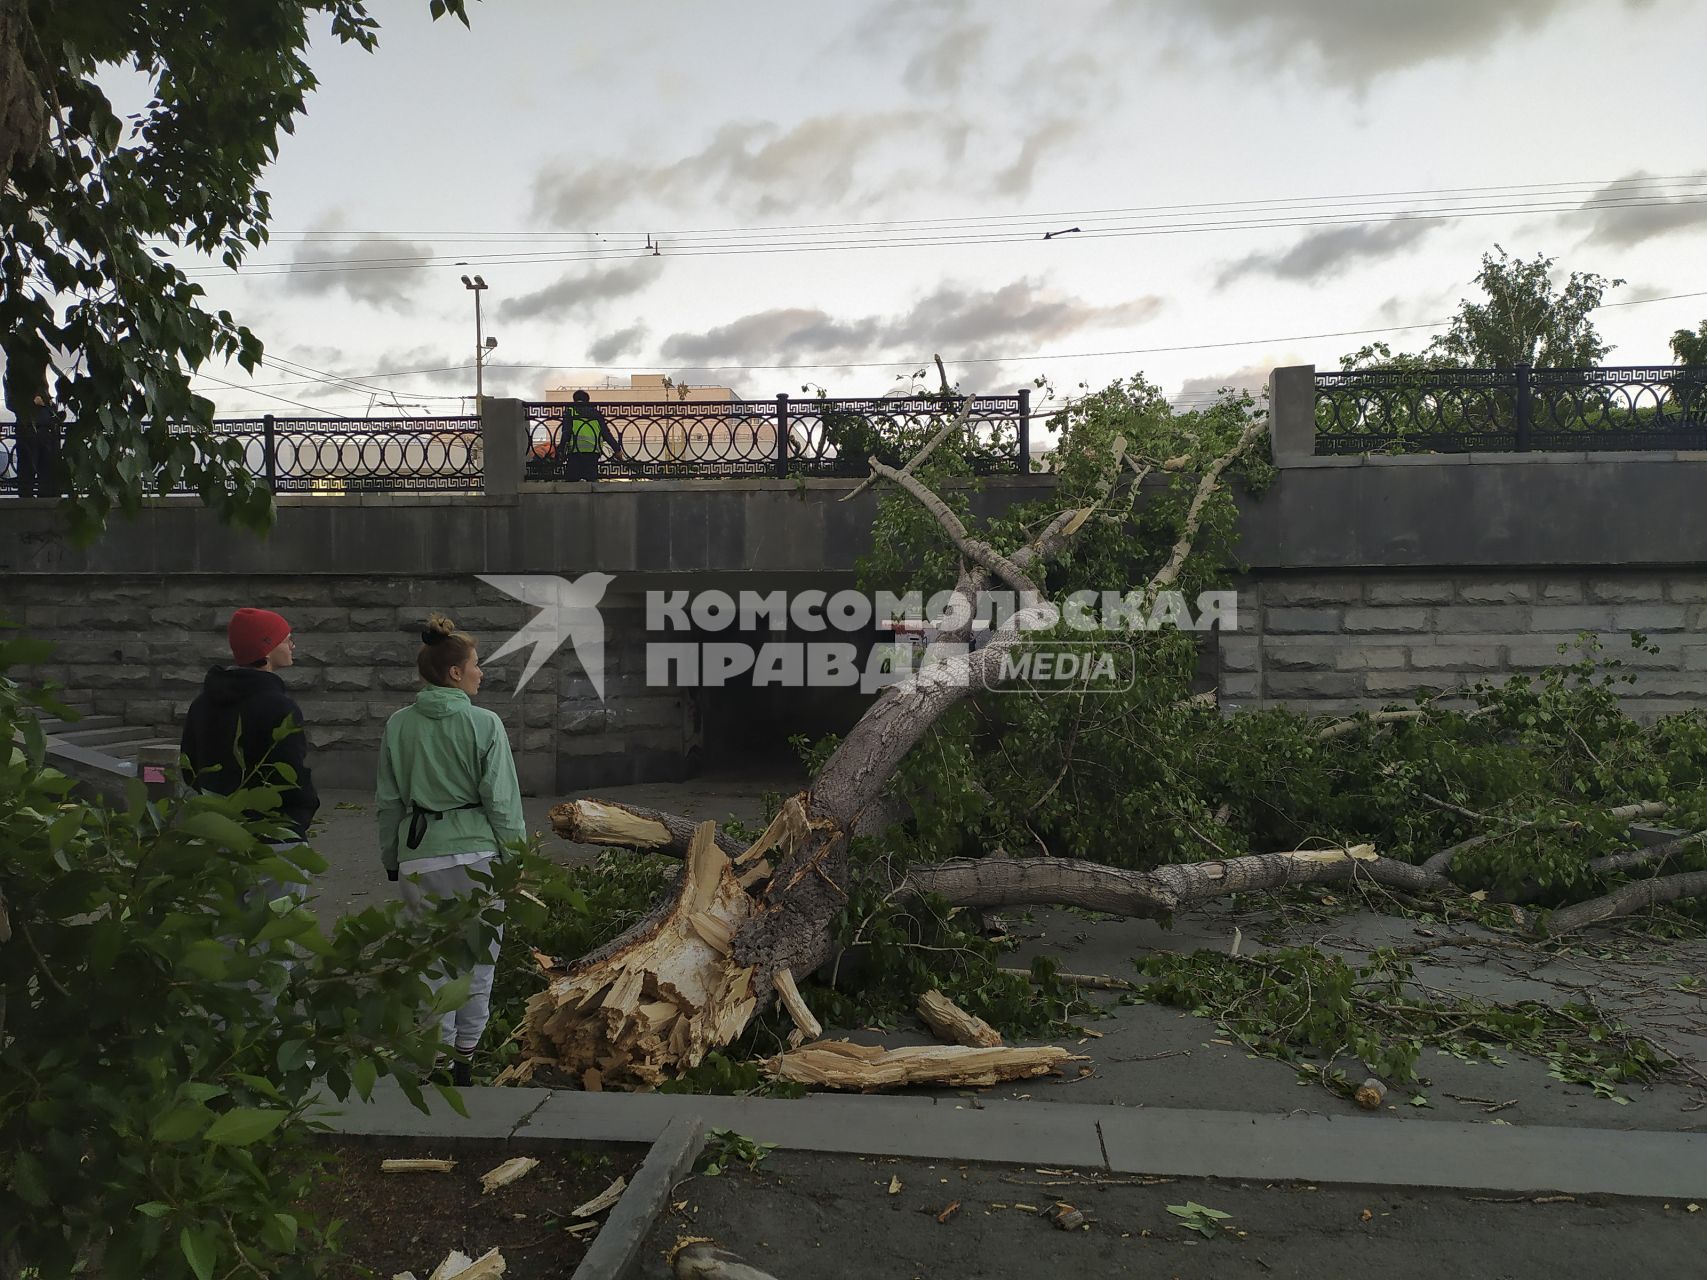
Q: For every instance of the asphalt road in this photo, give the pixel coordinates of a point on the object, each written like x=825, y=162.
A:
x=818, y=1217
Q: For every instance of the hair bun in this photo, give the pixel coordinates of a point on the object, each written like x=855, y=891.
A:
x=438, y=628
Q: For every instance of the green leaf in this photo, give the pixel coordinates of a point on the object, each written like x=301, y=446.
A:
x=217, y=829
x=181, y=1124
x=154, y=1209
x=364, y=1073
x=450, y=1095
x=280, y=1232
x=293, y=1055
x=29, y=1180
x=240, y=1127
x=201, y=1251
x=452, y=995
x=64, y=827
x=207, y=958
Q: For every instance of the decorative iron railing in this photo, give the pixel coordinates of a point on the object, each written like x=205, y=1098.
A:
x=1513, y=410
x=336, y=455
x=782, y=437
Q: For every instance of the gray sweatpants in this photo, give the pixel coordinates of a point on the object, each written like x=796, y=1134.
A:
x=462, y=1027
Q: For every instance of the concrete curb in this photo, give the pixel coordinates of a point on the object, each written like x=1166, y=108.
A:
x=617, y=1246
x=1450, y=1155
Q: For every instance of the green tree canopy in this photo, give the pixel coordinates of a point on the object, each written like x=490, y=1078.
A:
x=1524, y=319
x=1690, y=348
x=87, y=198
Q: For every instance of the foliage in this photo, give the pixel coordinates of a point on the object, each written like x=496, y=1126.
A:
x=93, y=204
x=725, y=1148
x=1066, y=772
x=1314, y=1010
x=1200, y=1218
x=893, y=948
x=167, y=1017
x=1524, y=319
x=1691, y=348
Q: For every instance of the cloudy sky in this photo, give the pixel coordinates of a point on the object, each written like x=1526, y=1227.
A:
x=833, y=195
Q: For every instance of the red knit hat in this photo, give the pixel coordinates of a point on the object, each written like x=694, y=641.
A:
x=254, y=633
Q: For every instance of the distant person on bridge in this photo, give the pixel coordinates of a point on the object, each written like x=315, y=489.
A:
x=39, y=451
x=578, y=439
x=447, y=803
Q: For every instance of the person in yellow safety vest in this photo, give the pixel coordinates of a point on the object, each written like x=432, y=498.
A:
x=578, y=439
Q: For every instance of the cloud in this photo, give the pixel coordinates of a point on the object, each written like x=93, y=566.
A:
x=620, y=343
x=1356, y=46
x=1625, y=225
x=757, y=167
x=582, y=290
x=1016, y=179
x=941, y=66
x=1194, y=392
x=1330, y=251
x=961, y=323
x=387, y=280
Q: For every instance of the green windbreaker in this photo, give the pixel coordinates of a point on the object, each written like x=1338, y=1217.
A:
x=440, y=754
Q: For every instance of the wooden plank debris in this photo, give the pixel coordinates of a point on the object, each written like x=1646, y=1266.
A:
x=604, y=1200
x=839, y=1064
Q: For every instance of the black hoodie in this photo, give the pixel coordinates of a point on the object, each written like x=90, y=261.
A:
x=229, y=731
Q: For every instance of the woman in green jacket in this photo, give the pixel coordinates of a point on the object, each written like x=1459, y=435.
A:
x=448, y=802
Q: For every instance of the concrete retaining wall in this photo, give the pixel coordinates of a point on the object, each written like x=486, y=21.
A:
x=1337, y=642
x=139, y=646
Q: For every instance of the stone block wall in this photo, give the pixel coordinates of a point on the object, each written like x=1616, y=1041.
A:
x=1332, y=642
x=138, y=647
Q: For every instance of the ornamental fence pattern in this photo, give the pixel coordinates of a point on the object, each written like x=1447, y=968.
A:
x=1516, y=410
x=332, y=455
x=783, y=437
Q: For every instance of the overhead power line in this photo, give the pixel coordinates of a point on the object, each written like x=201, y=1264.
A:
x=997, y=231
x=1274, y=340
x=1505, y=190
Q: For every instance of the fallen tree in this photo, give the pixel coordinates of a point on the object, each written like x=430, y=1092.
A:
x=746, y=922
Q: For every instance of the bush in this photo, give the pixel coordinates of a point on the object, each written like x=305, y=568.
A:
x=165, y=1030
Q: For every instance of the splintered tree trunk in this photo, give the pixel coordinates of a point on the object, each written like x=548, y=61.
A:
x=740, y=923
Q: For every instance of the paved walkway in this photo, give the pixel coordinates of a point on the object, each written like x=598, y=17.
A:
x=1133, y=1140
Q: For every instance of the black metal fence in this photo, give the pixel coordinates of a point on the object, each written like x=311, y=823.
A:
x=336, y=455
x=1511, y=410
x=677, y=438
x=815, y=436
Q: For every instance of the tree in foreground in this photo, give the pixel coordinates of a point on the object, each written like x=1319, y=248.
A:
x=952, y=794
x=166, y=1030
x=89, y=202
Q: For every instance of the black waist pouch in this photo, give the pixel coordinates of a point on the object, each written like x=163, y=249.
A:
x=419, y=817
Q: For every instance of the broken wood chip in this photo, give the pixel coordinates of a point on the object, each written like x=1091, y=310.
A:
x=895, y=1184
x=946, y=1214
x=506, y=1173
x=604, y=1200
x=416, y=1166
x=949, y=1022
x=458, y=1266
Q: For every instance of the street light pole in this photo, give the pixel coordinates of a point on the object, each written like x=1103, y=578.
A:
x=478, y=286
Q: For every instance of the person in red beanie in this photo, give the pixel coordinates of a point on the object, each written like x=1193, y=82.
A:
x=231, y=730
